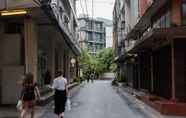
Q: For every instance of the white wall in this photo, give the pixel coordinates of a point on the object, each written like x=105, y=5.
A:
x=11, y=70
x=131, y=13
x=2, y=4
x=127, y=15
x=9, y=87
x=20, y=3
x=109, y=36
x=17, y=4
x=134, y=12
x=11, y=49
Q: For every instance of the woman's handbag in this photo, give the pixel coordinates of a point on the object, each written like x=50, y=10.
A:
x=19, y=105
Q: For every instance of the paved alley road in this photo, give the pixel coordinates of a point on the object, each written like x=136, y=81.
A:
x=98, y=100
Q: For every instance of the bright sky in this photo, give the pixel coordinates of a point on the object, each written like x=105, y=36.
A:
x=102, y=8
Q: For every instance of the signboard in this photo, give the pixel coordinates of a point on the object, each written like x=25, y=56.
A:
x=13, y=4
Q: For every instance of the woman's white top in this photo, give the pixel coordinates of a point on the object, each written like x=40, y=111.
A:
x=59, y=83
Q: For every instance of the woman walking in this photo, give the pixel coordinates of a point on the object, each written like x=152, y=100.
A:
x=61, y=93
x=30, y=94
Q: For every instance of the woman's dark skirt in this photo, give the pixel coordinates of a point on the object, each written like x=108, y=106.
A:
x=60, y=99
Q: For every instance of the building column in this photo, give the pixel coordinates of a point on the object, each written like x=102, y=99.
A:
x=51, y=57
x=173, y=70
x=139, y=71
x=77, y=67
x=1, y=33
x=68, y=67
x=31, y=55
x=152, y=73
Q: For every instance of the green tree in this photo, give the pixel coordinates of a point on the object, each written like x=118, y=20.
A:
x=103, y=62
x=88, y=63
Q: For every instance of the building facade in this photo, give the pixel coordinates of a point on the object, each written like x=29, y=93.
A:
x=108, y=29
x=155, y=60
x=36, y=37
x=125, y=16
x=92, y=34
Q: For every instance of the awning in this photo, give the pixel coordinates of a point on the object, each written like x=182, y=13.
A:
x=155, y=37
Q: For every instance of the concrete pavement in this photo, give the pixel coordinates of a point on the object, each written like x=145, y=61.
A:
x=98, y=100
x=11, y=112
x=101, y=100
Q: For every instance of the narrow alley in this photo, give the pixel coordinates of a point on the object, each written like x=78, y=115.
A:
x=118, y=58
x=98, y=100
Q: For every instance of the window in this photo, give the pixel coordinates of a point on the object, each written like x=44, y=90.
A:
x=184, y=12
x=89, y=25
x=89, y=36
x=98, y=37
x=98, y=26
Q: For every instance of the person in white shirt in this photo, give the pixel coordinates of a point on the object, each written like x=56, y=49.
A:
x=61, y=93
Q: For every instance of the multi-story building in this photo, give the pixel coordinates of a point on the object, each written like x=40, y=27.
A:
x=36, y=37
x=108, y=29
x=92, y=34
x=125, y=15
x=155, y=60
